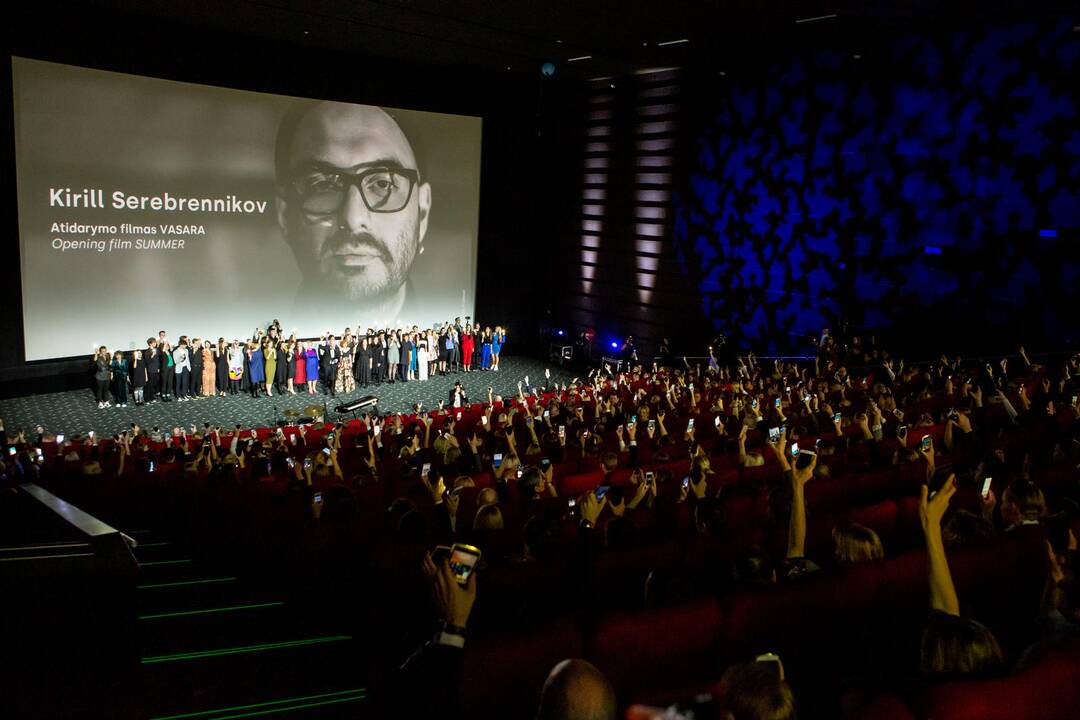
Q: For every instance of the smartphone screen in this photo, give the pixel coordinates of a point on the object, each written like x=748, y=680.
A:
x=12, y=450
x=291, y=462
x=497, y=460
x=690, y=425
x=459, y=416
x=925, y=442
x=836, y=418
x=716, y=421
x=378, y=429
x=774, y=434
x=794, y=449
x=317, y=497
x=562, y=431
x=483, y=419
x=686, y=482
x=425, y=469
x=545, y=462
x=650, y=477
x=326, y=452
x=463, y=559
x=602, y=491
x=986, y=487
x=151, y=466
x=777, y=403
x=547, y=413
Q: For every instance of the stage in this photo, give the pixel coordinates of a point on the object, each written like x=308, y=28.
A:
x=76, y=411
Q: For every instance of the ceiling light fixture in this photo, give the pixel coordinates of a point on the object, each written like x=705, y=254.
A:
x=680, y=41
x=580, y=57
x=830, y=16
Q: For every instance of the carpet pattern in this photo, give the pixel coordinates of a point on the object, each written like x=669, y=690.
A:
x=77, y=412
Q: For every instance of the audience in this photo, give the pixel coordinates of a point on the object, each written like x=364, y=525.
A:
x=653, y=491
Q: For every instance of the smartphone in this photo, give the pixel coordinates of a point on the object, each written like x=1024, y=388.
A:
x=986, y=487
x=440, y=553
x=326, y=452
x=330, y=437
x=463, y=559
x=547, y=413
x=11, y=450
x=633, y=418
x=292, y=439
x=585, y=433
x=652, y=424
x=562, y=431
x=686, y=482
x=317, y=497
x=777, y=403
x=520, y=472
x=59, y=438
x=571, y=504
x=926, y=442
x=787, y=388
x=774, y=435
x=497, y=460
x=901, y=431
x=151, y=466
x=690, y=425
x=38, y=451
x=307, y=463
x=483, y=419
x=545, y=462
x=1074, y=398
x=794, y=449
x=898, y=413
x=836, y=418
x=716, y=421
x=805, y=458
x=425, y=469
x=650, y=478
x=602, y=491
x=291, y=462
x=753, y=403
x=459, y=415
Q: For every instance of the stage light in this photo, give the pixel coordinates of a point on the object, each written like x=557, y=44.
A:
x=560, y=333
x=614, y=344
x=548, y=69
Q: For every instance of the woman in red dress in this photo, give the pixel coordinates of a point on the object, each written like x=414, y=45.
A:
x=300, y=375
x=468, y=341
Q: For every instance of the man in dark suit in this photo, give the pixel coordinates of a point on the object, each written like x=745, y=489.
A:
x=329, y=357
x=153, y=370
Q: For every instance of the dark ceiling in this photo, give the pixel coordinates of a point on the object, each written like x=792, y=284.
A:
x=517, y=36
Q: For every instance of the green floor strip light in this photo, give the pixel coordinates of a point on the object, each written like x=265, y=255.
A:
x=163, y=562
x=242, y=649
x=208, y=611
x=321, y=699
x=185, y=582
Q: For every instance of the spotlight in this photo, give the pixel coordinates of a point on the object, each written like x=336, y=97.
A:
x=560, y=333
x=614, y=344
x=547, y=69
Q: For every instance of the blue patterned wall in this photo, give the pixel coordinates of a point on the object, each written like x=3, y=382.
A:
x=933, y=183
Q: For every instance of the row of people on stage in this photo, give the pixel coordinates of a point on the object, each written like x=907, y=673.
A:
x=270, y=363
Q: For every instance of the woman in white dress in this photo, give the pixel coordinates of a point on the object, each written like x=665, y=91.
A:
x=421, y=357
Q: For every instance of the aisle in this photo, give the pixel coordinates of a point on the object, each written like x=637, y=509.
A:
x=213, y=646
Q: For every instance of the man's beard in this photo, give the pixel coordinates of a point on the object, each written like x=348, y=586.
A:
x=378, y=277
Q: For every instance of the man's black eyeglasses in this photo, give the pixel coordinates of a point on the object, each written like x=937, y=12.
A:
x=384, y=190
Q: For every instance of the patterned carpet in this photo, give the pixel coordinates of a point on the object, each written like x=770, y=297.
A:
x=77, y=412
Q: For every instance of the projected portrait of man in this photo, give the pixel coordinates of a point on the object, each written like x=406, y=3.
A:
x=353, y=207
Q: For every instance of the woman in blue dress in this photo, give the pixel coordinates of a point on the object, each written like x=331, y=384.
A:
x=256, y=368
x=497, y=341
x=485, y=349
x=311, y=365
x=418, y=350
